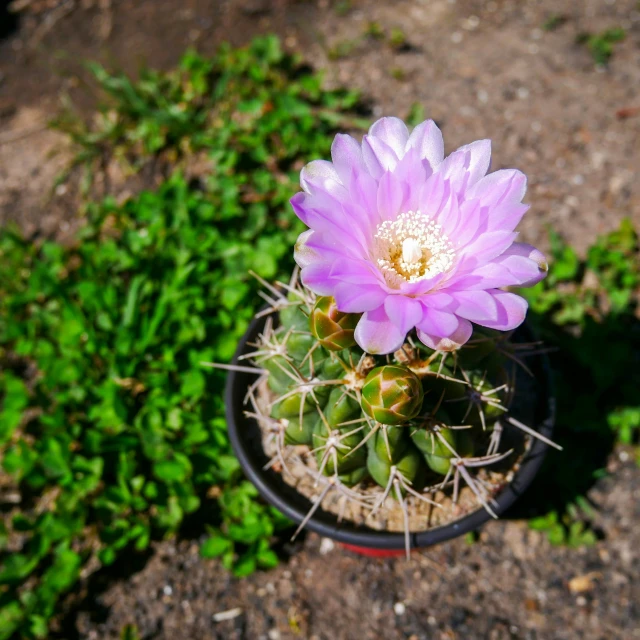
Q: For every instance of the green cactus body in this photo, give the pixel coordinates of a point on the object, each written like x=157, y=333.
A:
x=329, y=396
x=390, y=442
x=436, y=453
x=340, y=407
x=297, y=433
x=333, y=369
x=347, y=456
x=355, y=477
x=392, y=394
x=293, y=316
x=410, y=465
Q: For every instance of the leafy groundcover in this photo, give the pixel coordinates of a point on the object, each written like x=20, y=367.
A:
x=111, y=430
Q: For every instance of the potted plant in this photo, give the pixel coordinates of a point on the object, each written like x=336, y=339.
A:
x=390, y=396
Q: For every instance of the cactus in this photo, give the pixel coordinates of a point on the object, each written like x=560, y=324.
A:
x=417, y=423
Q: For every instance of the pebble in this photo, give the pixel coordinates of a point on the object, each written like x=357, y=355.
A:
x=399, y=608
x=326, y=546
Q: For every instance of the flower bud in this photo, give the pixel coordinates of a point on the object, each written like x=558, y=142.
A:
x=392, y=394
x=333, y=329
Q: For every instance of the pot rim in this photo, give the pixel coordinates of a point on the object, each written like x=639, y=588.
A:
x=275, y=491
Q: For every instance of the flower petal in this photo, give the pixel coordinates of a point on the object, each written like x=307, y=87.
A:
x=355, y=271
x=451, y=342
x=512, y=310
x=438, y=323
x=476, y=306
x=363, y=189
x=346, y=154
x=378, y=156
x=303, y=254
x=317, y=278
x=503, y=186
x=465, y=166
x=484, y=248
x=322, y=212
x=356, y=298
x=427, y=140
x=526, y=264
x=320, y=174
x=404, y=312
x=390, y=196
x=393, y=132
x=376, y=334
x=501, y=193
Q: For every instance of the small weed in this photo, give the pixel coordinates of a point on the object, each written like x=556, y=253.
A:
x=374, y=30
x=416, y=114
x=343, y=49
x=554, y=21
x=342, y=7
x=397, y=38
x=601, y=45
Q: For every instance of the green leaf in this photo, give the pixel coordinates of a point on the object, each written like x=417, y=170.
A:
x=215, y=546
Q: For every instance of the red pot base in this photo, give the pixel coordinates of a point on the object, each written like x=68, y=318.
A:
x=373, y=553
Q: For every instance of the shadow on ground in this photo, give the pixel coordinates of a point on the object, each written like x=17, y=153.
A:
x=595, y=373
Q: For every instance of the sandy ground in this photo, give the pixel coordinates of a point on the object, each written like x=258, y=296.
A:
x=510, y=584
x=481, y=69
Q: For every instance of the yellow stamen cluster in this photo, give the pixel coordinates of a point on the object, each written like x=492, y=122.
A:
x=411, y=248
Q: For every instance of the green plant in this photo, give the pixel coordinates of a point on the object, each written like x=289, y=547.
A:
x=600, y=45
x=254, y=104
x=417, y=424
x=397, y=38
x=374, y=30
x=111, y=432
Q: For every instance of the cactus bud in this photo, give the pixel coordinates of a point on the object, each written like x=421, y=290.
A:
x=392, y=394
x=333, y=329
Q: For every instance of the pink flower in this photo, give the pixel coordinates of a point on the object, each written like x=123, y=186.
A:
x=412, y=239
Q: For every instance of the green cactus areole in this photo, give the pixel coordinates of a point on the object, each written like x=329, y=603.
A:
x=406, y=441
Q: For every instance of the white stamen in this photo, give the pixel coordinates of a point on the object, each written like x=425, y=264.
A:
x=411, y=248
x=411, y=251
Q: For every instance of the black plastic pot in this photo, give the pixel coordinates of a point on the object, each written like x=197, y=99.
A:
x=246, y=440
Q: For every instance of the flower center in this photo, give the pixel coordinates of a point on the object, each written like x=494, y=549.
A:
x=411, y=248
